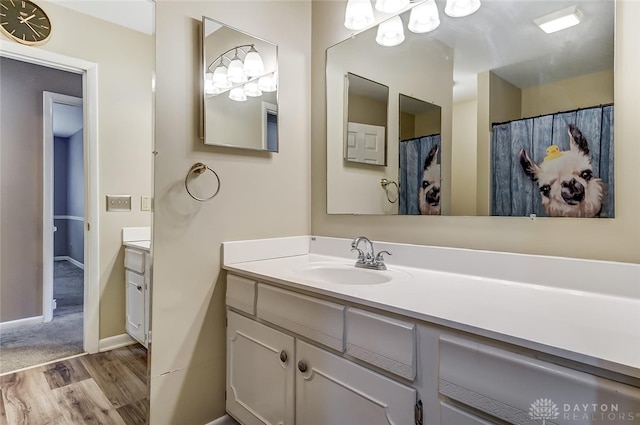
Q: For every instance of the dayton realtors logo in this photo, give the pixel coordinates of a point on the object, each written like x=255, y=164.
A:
x=545, y=409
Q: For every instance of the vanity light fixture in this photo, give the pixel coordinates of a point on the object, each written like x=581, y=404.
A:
x=391, y=6
x=235, y=72
x=424, y=17
x=560, y=20
x=253, y=64
x=359, y=14
x=390, y=32
x=460, y=8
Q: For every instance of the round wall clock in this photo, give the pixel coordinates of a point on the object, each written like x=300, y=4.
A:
x=24, y=21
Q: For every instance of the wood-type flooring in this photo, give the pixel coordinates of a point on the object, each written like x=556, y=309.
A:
x=107, y=388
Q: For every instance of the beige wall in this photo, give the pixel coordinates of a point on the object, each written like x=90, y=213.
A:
x=464, y=164
x=125, y=61
x=366, y=110
x=608, y=239
x=262, y=195
x=21, y=87
x=428, y=123
x=581, y=92
x=505, y=100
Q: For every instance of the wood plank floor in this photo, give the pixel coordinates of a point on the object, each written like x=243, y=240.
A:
x=107, y=388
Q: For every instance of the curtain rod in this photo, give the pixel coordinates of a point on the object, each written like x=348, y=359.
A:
x=603, y=105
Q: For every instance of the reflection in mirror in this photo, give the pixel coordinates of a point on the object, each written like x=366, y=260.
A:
x=503, y=85
x=367, y=104
x=240, y=100
x=419, y=170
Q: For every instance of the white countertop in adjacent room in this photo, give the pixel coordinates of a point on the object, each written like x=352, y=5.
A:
x=144, y=245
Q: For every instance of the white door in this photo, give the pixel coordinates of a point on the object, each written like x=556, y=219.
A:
x=135, y=302
x=331, y=390
x=365, y=143
x=260, y=373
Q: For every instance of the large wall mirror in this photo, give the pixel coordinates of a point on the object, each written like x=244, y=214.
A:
x=240, y=90
x=506, y=108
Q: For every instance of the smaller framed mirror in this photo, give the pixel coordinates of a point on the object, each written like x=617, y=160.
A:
x=240, y=90
x=367, y=103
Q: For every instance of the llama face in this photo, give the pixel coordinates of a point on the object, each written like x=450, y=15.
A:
x=429, y=193
x=566, y=181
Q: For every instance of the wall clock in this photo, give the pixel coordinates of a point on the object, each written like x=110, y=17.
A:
x=24, y=21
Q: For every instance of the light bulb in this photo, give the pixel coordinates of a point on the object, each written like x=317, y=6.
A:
x=253, y=64
x=358, y=15
x=390, y=32
x=237, y=94
x=424, y=17
x=235, y=73
x=460, y=8
x=267, y=83
x=219, y=77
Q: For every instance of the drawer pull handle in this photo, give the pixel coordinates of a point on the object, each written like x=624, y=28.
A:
x=283, y=356
x=302, y=366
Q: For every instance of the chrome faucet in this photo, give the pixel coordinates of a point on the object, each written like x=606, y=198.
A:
x=367, y=258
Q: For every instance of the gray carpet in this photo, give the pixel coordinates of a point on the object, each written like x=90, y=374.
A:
x=62, y=337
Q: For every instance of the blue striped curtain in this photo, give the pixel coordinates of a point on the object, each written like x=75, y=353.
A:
x=512, y=192
x=413, y=152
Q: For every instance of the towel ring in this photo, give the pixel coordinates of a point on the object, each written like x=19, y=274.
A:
x=385, y=185
x=200, y=168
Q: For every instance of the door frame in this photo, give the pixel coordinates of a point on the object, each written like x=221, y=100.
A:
x=89, y=72
x=48, y=99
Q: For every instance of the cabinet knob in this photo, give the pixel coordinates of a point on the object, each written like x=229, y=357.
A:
x=283, y=356
x=139, y=288
x=302, y=366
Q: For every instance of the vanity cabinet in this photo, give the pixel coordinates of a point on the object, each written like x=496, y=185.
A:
x=298, y=373
x=137, y=263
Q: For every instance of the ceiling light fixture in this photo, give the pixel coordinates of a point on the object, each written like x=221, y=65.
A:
x=359, y=14
x=460, y=8
x=424, y=17
x=560, y=20
x=390, y=32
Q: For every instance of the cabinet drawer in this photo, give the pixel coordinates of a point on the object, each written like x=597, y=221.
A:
x=450, y=415
x=507, y=385
x=382, y=341
x=321, y=321
x=241, y=293
x=134, y=260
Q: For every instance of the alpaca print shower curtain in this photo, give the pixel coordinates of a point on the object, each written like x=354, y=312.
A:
x=413, y=153
x=535, y=171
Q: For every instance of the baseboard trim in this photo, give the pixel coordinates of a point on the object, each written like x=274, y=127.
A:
x=113, y=342
x=69, y=259
x=12, y=324
x=223, y=420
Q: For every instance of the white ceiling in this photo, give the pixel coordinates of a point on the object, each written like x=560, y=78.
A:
x=67, y=120
x=138, y=15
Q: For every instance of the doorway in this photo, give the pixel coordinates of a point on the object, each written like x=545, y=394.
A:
x=83, y=229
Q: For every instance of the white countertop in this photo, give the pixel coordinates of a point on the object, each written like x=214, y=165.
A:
x=591, y=327
x=144, y=245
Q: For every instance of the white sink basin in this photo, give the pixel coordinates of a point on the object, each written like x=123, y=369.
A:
x=347, y=274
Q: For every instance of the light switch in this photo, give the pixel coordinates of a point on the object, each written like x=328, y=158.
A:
x=145, y=203
x=118, y=202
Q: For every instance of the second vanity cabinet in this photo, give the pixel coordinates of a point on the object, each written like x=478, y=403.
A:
x=296, y=358
x=282, y=376
x=137, y=263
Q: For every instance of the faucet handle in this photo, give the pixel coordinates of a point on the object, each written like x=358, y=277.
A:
x=379, y=256
x=360, y=254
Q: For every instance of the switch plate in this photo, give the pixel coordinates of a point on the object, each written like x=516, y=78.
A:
x=118, y=202
x=145, y=203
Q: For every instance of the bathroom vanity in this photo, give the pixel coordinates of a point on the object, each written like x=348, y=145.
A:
x=313, y=341
x=137, y=264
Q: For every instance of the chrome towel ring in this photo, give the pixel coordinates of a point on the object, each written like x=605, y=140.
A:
x=199, y=168
x=385, y=185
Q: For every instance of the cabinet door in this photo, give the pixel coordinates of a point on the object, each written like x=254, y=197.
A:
x=260, y=373
x=135, y=301
x=331, y=390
